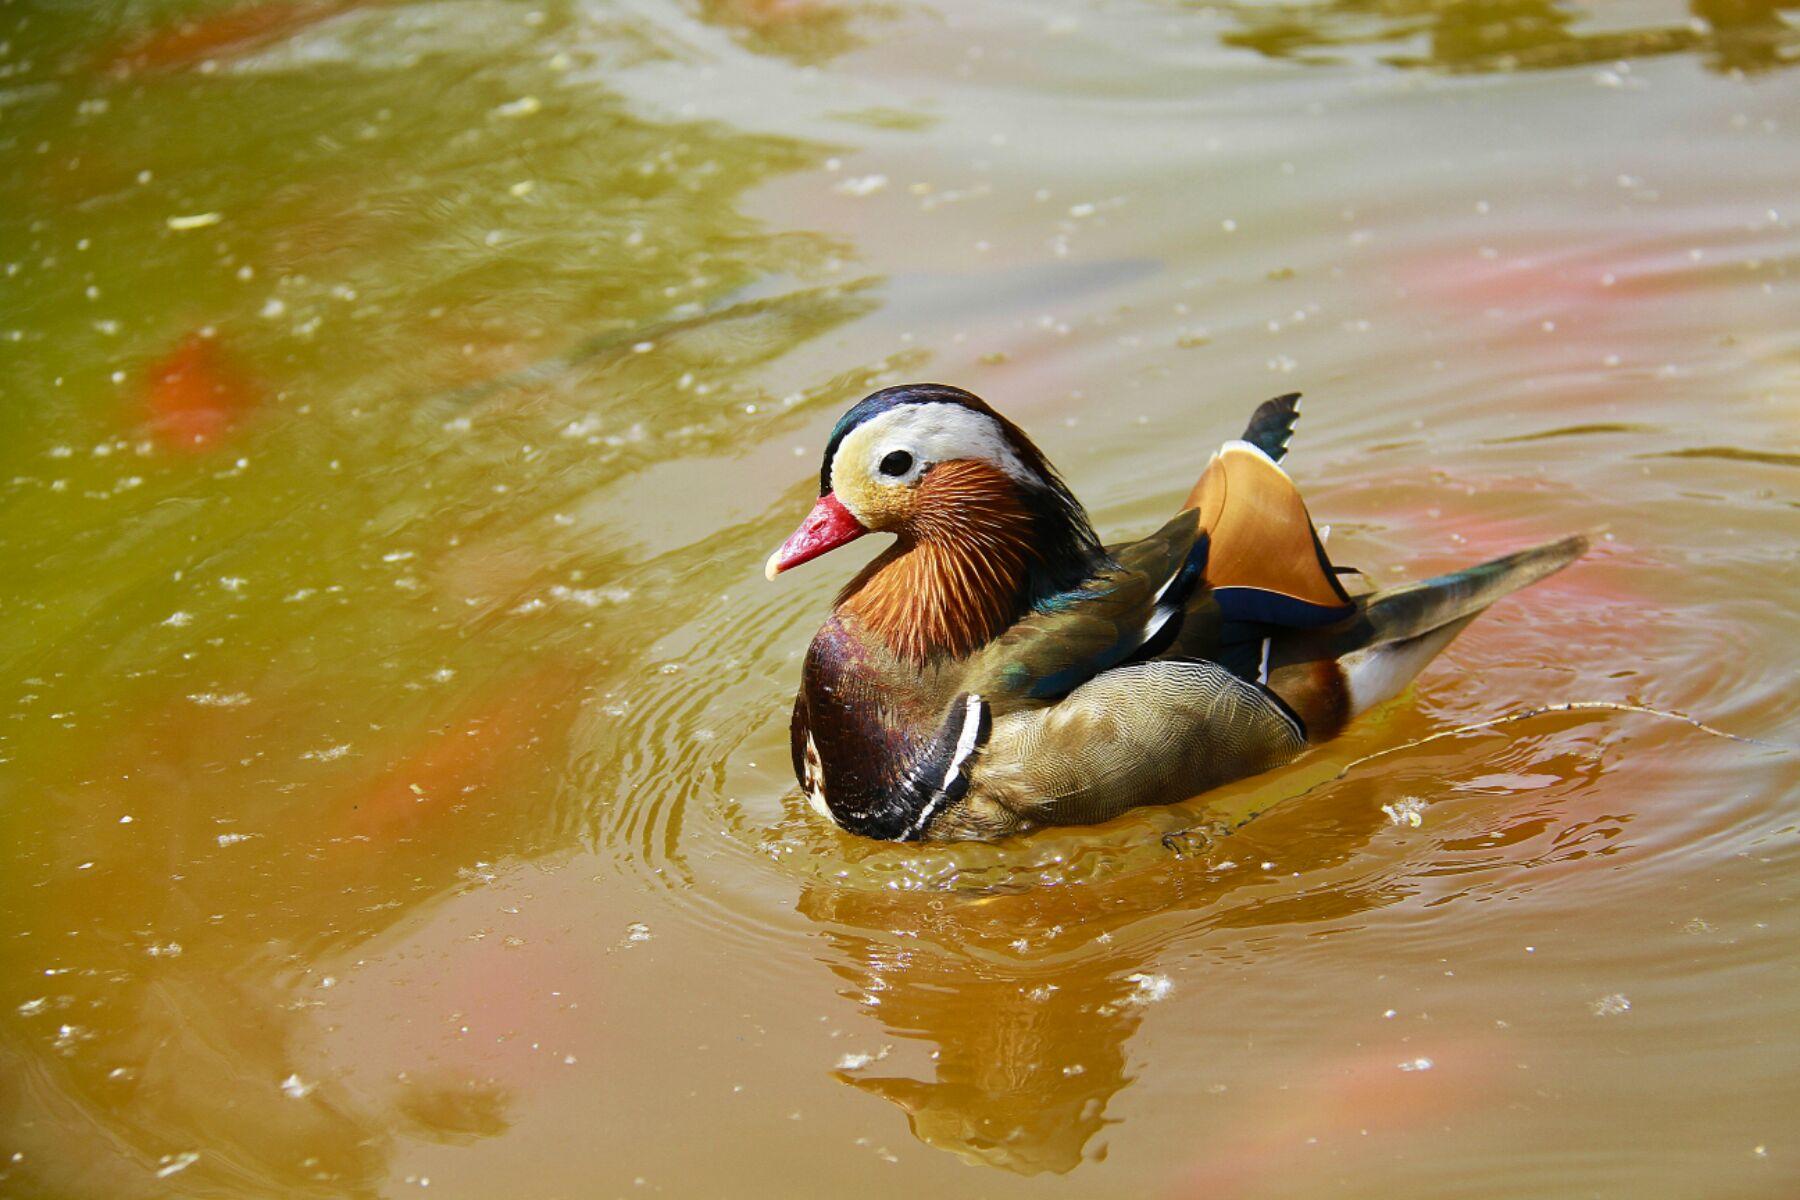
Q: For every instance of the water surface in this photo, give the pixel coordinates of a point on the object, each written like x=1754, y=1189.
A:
x=399, y=400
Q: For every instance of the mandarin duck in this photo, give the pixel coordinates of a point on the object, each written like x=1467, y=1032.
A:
x=997, y=669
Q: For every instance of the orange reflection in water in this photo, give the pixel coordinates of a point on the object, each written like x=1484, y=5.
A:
x=210, y=37
x=490, y=738
x=196, y=395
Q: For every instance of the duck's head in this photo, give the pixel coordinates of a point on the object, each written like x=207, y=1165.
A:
x=931, y=463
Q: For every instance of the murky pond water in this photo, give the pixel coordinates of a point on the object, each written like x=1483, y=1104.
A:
x=400, y=398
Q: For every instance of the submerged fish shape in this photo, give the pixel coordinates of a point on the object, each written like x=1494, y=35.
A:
x=997, y=669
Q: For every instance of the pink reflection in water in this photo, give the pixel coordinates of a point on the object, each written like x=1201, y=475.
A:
x=1344, y=1110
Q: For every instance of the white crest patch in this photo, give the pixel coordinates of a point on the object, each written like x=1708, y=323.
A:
x=931, y=433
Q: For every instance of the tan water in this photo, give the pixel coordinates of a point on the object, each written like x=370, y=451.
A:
x=397, y=402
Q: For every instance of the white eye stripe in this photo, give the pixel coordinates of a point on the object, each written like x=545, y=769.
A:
x=931, y=433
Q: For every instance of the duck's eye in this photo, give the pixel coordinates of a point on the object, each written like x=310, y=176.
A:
x=897, y=463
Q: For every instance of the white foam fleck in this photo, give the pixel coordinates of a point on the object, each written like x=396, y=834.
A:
x=862, y=185
x=590, y=597
x=1611, y=1005
x=1147, y=988
x=174, y=1164
x=296, y=1088
x=219, y=699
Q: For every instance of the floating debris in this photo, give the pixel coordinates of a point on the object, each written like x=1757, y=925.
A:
x=524, y=106
x=195, y=221
x=1611, y=1005
x=1147, y=988
x=296, y=1088
x=857, y=1061
x=1407, y=811
x=174, y=1164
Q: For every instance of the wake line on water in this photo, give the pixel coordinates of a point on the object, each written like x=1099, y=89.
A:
x=1541, y=710
x=1172, y=841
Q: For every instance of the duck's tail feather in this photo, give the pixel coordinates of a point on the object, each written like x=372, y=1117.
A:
x=1411, y=609
x=1272, y=425
x=1401, y=629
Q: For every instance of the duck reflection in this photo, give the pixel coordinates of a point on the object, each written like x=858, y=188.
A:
x=1028, y=1055
x=1030, y=996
